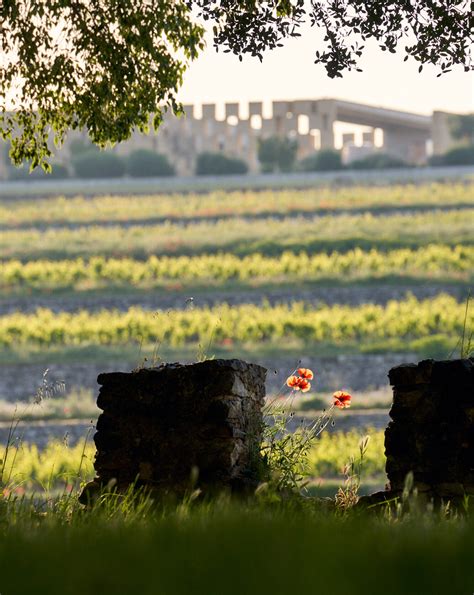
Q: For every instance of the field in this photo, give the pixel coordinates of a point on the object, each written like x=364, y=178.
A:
x=348, y=281
x=242, y=236
x=274, y=276
x=299, y=325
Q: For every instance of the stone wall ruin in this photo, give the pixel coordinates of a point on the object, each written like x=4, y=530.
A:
x=431, y=435
x=162, y=426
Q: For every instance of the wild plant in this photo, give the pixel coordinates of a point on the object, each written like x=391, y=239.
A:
x=348, y=495
x=465, y=344
x=466, y=339
x=46, y=390
x=285, y=450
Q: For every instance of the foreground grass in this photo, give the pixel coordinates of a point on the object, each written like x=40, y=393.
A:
x=234, y=549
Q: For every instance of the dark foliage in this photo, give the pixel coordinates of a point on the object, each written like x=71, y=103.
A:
x=378, y=161
x=456, y=156
x=325, y=160
x=217, y=164
x=94, y=164
x=57, y=172
x=144, y=164
x=79, y=146
x=462, y=127
x=277, y=153
x=435, y=31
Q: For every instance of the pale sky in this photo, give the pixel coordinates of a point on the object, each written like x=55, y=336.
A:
x=290, y=73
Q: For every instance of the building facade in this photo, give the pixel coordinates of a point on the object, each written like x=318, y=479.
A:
x=311, y=122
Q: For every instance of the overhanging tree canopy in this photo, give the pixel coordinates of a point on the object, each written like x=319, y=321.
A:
x=109, y=65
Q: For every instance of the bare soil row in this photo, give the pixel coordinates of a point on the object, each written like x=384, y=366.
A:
x=352, y=295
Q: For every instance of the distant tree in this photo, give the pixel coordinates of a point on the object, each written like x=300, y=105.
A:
x=113, y=66
x=455, y=156
x=277, y=153
x=462, y=127
x=217, y=164
x=94, y=164
x=378, y=161
x=78, y=146
x=325, y=160
x=57, y=172
x=144, y=163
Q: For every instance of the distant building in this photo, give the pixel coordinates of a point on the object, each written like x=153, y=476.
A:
x=311, y=122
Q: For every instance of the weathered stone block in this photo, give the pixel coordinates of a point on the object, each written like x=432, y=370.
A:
x=453, y=375
x=160, y=425
x=411, y=374
x=432, y=432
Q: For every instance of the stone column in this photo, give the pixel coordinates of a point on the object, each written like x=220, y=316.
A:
x=327, y=112
x=441, y=133
x=161, y=426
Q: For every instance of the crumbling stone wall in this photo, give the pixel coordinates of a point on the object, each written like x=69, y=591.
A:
x=432, y=429
x=159, y=425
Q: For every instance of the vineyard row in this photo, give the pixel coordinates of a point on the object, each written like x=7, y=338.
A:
x=430, y=262
x=406, y=319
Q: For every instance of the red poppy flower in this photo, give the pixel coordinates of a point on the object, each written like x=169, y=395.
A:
x=293, y=382
x=342, y=400
x=304, y=385
x=297, y=383
x=306, y=373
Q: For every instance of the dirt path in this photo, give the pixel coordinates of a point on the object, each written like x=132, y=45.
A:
x=153, y=300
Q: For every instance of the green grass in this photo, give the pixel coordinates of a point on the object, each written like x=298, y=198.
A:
x=243, y=237
x=46, y=211
x=237, y=549
x=76, y=404
x=438, y=346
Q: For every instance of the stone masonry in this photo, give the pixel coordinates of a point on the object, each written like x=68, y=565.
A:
x=161, y=426
x=432, y=429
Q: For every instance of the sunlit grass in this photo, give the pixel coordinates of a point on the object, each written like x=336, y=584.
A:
x=242, y=237
x=218, y=204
